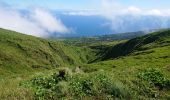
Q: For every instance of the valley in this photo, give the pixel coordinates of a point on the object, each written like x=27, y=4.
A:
x=125, y=68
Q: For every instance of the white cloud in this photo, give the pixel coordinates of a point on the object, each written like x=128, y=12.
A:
x=155, y=12
x=127, y=18
x=48, y=21
x=81, y=13
x=132, y=18
x=40, y=22
x=133, y=10
x=37, y=22
x=113, y=8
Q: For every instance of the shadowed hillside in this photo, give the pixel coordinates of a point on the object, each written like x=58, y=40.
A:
x=143, y=43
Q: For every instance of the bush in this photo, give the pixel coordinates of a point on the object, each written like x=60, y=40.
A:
x=78, y=85
x=156, y=77
x=98, y=84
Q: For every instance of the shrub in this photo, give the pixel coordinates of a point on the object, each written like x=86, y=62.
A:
x=97, y=84
x=156, y=77
x=78, y=85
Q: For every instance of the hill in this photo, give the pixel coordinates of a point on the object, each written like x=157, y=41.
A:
x=48, y=69
x=154, y=40
x=142, y=64
x=22, y=53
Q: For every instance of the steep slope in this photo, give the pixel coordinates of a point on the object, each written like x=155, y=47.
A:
x=20, y=53
x=134, y=69
x=142, y=64
x=143, y=43
x=138, y=69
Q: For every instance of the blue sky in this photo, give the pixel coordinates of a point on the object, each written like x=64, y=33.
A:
x=86, y=4
x=46, y=17
x=50, y=4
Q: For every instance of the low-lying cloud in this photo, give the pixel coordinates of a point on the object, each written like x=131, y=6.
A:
x=36, y=22
x=114, y=7
x=127, y=18
x=118, y=18
x=132, y=18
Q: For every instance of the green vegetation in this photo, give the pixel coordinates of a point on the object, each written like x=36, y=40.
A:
x=77, y=85
x=34, y=68
x=155, y=77
x=144, y=44
x=21, y=53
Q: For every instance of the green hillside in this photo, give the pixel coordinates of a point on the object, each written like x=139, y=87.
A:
x=42, y=69
x=151, y=50
x=144, y=44
x=141, y=64
x=22, y=53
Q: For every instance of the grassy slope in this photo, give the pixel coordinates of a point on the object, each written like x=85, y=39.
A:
x=144, y=43
x=122, y=72
x=124, y=60
x=22, y=53
x=127, y=59
x=23, y=57
x=151, y=50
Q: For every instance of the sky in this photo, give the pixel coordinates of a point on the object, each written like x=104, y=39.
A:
x=86, y=4
x=39, y=20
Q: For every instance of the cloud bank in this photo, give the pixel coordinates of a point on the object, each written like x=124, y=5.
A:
x=132, y=18
x=117, y=18
x=127, y=18
x=113, y=7
x=36, y=22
